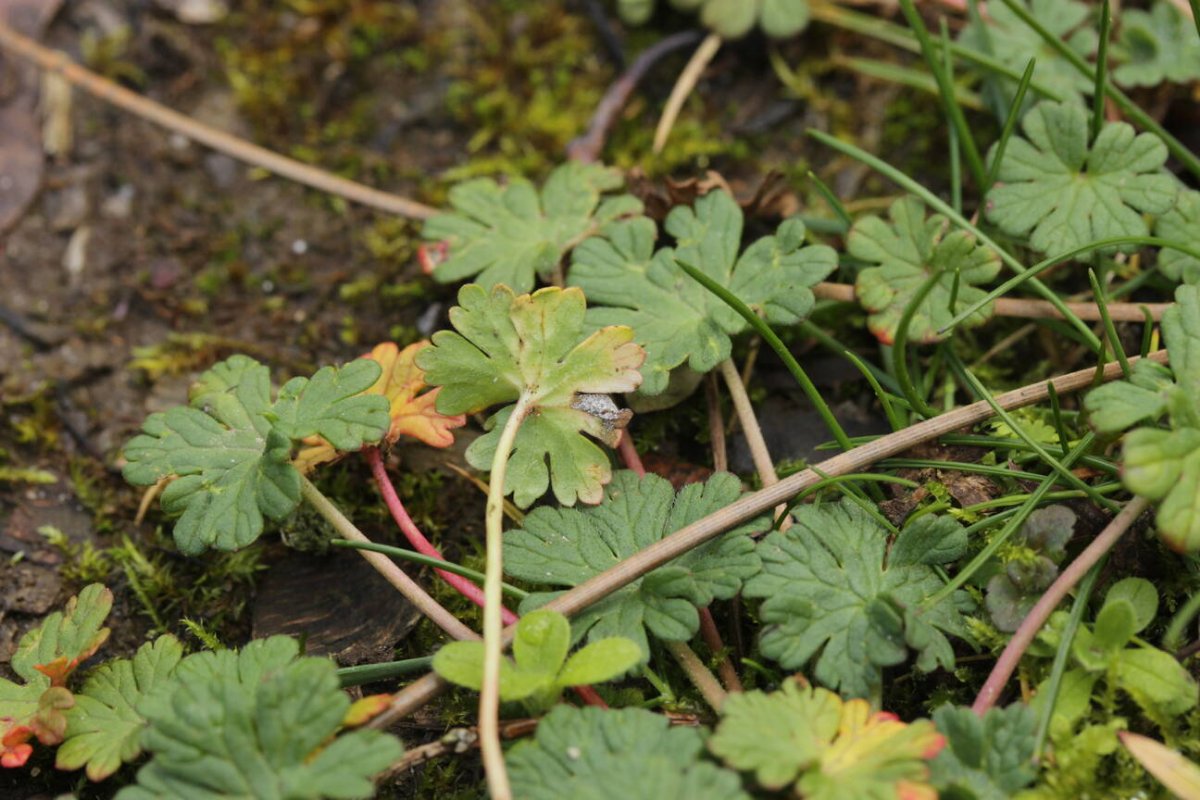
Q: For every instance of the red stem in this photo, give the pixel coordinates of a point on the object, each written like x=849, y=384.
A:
x=416, y=538
x=629, y=454
x=422, y=545
x=712, y=638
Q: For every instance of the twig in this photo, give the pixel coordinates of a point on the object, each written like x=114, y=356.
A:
x=385, y=566
x=417, y=539
x=683, y=87
x=700, y=675
x=691, y=536
x=586, y=148
x=1033, y=622
x=1026, y=308
x=712, y=638
x=58, y=63
x=745, y=413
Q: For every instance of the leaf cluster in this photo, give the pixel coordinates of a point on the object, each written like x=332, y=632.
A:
x=1038, y=548
x=732, y=19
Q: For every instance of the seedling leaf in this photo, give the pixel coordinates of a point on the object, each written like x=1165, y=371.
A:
x=833, y=594
x=565, y=547
x=233, y=726
x=411, y=408
x=988, y=758
x=675, y=318
x=592, y=754
x=229, y=451
x=1012, y=593
x=508, y=234
x=828, y=748
x=540, y=668
x=1158, y=45
x=510, y=346
x=909, y=251
x=1069, y=195
x=45, y=657
x=104, y=727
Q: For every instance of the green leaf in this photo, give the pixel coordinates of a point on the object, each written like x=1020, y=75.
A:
x=506, y=347
x=731, y=19
x=830, y=749
x=1180, y=224
x=986, y=759
x=1157, y=45
x=508, y=234
x=906, y=253
x=45, y=657
x=676, y=319
x=327, y=405
x=565, y=547
x=229, y=452
x=1141, y=596
x=594, y=754
x=1068, y=195
x=1007, y=38
x=1165, y=466
x=1115, y=625
x=104, y=727
x=833, y=595
x=1116, y=406
x=256, y=725
x=540, y=669
x=1156, y=680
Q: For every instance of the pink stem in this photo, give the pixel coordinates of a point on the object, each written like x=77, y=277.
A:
x=416, y=538
x=629, y=454
x=712, y=638
x=1037, y=616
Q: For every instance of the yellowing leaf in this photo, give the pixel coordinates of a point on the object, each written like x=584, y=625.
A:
x=411, y=408
x=1178, y=774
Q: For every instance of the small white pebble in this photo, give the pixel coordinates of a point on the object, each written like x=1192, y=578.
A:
x=299, y=247
x=268, y=286
x=574, y=753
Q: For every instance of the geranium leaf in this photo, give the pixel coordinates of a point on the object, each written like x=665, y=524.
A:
x=1064, y=195
x=104, y=727
x=988, y=758
x=533, y=346
x=1180, y=224
x=1157, y=45
x=833, y=595
x=45, y=657
x=1115, y=406
x=676, y=319
x=594, y=754
x=732, y=19
x=229, y=451
x=508, y=234
x=828, y=748
x=565, y=547
x=907, y=252
x=1008, y=39
x=1165, y=466
x=411, y=408
x=231, y=726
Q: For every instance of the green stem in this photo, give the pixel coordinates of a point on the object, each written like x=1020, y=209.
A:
x=489, y=696
x=699, y=674
x=900, y=350
x=426, y=561
x=371, y=673
x=936, y=203
x=776, y=344
x=384, y=565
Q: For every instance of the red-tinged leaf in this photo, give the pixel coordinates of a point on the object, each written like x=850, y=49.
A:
x=365, y=709
x=411, y=407
x=15, y=749
x=431, y=255
x=66, y=638
x=49, y=724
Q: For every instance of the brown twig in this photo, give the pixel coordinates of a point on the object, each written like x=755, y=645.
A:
x=691, y=536
x=716, y=424
x=712, y=638
x=750, y=427
x=587, y=148
x=683, y=86
x=58, y=63
x=1037, y=616
x=1025, y=307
